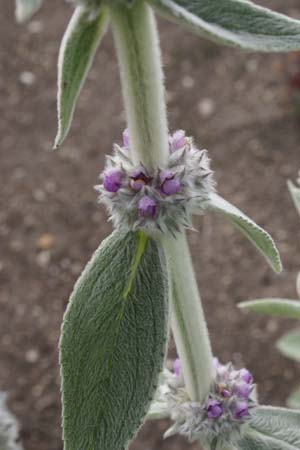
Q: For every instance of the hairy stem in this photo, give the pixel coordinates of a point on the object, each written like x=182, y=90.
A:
x=138, y=51
x=188, y=321
x=139, y=57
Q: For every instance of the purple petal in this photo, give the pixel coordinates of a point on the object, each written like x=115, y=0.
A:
x=147, y=207
x=241, y=409
x=214, y=409
x=177, y=140
x=169, y=182
x=139, y=178
x=112, y=180
x=242, y=389
x=246, y=376
x=177, y=367
x=126, y=141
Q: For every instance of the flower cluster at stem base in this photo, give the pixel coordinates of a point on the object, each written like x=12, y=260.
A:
x=222, y=417
x=163, y=199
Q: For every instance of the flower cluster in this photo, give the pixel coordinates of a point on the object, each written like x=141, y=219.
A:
x=161, y=200
x=224, y=413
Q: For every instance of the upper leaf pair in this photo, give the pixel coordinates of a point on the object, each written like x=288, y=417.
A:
x=230, y=22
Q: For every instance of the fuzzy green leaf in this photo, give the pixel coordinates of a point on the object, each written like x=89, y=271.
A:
x=9, y=427
x=289, y=345
x=26, y=8
x=257, y=235
x=273, y=429
x=274, y=307
x=113, y=343
x=294, y=400
x=237, y=23
x=77, y=51
x=295, y=193
x=298, y=284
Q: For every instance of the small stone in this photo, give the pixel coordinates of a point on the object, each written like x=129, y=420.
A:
x=45, y=242
x=32, y=356
x=27, y=78
x=188, y=82
x=206, y=107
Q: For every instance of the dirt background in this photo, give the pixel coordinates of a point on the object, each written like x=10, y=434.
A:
x=241, y=107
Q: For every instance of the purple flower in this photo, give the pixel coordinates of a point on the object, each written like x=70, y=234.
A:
x=240, y=409
x=139, y=178
x=177, y=367
x=112, y=180
x=177, y=140
x=126, y=141
x=242, y=389
x=147, y=207
x=214, y=409
x=169, y=182
x=216, y=362
x=246, y=376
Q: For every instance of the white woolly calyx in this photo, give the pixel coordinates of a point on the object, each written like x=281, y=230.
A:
x=217, y=422
x=161, y=200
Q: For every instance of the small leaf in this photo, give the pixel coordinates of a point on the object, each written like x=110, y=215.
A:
x=77, y=51
x=289, y=345
x=237, y=23
x=294, y=400
x=259, y=237
x=113, y=343
x=158, y=410
x=295, y=193
x=9, y=428
x=273, y=429
x=274, y=307
x=298, y=284
x=26, y=8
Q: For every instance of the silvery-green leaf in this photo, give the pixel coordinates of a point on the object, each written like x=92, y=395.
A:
x=113, y=343
x=295, y=193
x=77, y=51
x=238, y=23
x=258, y=441
x=289, y=345
x=273, y=429
x=294, y=400
x=259, y=237
x=274, y=307
x=9, y=428
x=298, y=284
x=158, y=410
x=26, y=8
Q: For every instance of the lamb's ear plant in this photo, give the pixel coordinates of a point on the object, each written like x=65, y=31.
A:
x=116, y=326
x=9, y=427
x=289, y=344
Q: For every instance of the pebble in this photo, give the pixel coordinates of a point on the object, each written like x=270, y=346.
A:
x=206, y=107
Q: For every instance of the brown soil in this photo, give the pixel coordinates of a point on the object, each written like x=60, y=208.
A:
x=238, y=106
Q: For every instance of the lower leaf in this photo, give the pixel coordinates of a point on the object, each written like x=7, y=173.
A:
x=113, y=343
x=273, y=429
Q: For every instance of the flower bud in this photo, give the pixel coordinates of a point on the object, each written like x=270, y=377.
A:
x=147, y=207
x=112, y=180
x=169, y=182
